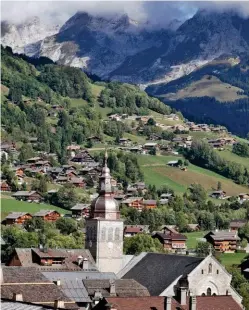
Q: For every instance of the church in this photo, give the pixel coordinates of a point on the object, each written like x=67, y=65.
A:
x=161, y=274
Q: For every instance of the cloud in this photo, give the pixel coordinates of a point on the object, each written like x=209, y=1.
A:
x=157, y=13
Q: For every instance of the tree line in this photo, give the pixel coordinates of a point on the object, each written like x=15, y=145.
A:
x=202, y=154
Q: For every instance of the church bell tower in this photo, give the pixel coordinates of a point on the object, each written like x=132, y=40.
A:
x=104, y=228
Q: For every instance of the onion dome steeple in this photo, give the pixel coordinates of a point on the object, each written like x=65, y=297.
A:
x=105, y=206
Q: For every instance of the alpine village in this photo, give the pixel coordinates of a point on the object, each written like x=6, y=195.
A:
x=123, y=193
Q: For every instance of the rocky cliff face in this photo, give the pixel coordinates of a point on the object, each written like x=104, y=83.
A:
x=119, y=48
x=20, y=36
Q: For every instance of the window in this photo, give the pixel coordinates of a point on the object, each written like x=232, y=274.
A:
x=214, y=294
x=110, y=234
x=203, y=294
x=210, y=268
x=202, y=271
x=217, y=271
x=209, y=291
x=103, y=234
x=117, y=233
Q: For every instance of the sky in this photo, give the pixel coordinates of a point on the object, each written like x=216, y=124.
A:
x=157, y=13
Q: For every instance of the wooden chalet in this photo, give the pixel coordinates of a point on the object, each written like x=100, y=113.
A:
x=83, y=158
x=5, y=187
x=77, y=182
x=171, y=241
x=235, y=225
x=218, y=194
x=149, y=204
x=17, y=218
x=132, y=230
x=27, y=196
x=47, y=215
x=133, y=202
x=223, y=241
x=52, y=259
x=80, y=210
x=94, y=139
x=33, y=160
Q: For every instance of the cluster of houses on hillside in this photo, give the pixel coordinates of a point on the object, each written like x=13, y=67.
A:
x=22, y=217
x=90, y=279
x=181, y=127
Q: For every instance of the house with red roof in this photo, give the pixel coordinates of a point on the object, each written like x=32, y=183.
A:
x=168, y=303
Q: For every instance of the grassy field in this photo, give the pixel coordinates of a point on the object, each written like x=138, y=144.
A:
x=135, y=138
x=193, y=238
x=211, y=87
x=9, y=204
x=229, y=155
x=160, y=119
x=228, y=259
x=96, y=90
x=158, y=173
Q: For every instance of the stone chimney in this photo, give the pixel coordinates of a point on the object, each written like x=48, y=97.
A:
x=167, y=303
x=59, y=304
x=79, y=259
x=193, y=303
x=112, y=288
x=183, y=296
x=85, y=264
x=97, y=296
x=17, y=297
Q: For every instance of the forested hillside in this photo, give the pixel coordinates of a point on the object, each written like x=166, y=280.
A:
x=60, y=105
x=216, y=93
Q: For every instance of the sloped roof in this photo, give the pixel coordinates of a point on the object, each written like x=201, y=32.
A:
x=123, y=287
x=14, y=305
x=71, y=255
x=24, y=193
x=43, y=212
x=32, y=284
x=15, y=215
x=158, y=303
x=171, y=236
x=157, y=271
x=133, y=230
x=80, y=206
x=72, y=282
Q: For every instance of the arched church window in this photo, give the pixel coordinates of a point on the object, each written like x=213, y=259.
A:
x=214, y=294
x=110, y=234
x=103, y=234
x=217, y=271
x=210, y=268
x=117, y=233
x=209, y=291
x=203, y=294
x=202, y=271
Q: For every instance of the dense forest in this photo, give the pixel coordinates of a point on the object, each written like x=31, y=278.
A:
x=234, y=115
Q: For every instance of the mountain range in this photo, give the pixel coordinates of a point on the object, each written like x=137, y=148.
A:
x=123, y=49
